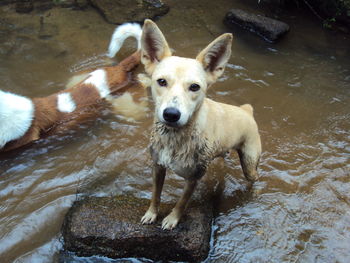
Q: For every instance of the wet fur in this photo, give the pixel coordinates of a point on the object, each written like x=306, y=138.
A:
x=205, y=129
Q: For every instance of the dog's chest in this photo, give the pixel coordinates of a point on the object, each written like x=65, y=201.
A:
x=184, y=153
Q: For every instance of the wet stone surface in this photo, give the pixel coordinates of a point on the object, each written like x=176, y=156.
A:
x=118, y=12
x=269, y=29
x=110, y=226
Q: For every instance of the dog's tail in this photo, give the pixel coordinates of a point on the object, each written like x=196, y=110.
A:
x=121, y=33
x=131, y=61
x=248, y=108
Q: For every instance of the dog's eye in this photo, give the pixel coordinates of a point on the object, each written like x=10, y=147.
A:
x=162, y=82
x=194, y=87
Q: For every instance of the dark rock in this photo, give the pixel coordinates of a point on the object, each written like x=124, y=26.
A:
x=110, y=226
x=118, y=12
x=42, y=6
x=270, y=29
x=24, y=6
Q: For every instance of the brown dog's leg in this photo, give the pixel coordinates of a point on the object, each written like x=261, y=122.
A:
x=158, y=181
x=173, y=218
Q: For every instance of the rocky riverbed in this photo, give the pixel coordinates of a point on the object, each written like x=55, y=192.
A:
x=298, y=87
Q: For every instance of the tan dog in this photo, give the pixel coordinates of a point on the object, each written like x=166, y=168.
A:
x=189, y=129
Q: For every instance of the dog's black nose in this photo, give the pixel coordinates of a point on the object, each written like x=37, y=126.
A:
x=171, y=114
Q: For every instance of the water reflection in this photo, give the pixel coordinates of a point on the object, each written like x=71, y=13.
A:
x=297, y=212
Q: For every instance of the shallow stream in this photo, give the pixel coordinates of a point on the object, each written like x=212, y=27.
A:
x=299, y=210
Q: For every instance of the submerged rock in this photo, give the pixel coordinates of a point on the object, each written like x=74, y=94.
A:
x=24, y=6
x=110, y=226
x=118, y=12
x=270, y=29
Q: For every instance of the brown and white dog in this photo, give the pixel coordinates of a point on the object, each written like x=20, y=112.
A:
x=23, y=120
x=189, y=129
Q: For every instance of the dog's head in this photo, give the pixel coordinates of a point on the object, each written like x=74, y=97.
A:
x=179, y=84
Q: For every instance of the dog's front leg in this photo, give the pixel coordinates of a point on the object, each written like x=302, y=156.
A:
x=158, y=181
x=173, y=218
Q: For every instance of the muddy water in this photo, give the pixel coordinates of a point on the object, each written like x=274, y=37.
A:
x=299, y=211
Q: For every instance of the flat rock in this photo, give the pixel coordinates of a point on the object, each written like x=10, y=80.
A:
x=269, y=29
x=121, y=11
x=110, y=226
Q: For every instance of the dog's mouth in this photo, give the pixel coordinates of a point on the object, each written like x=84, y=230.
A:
x=165, y=127
x=174, y=125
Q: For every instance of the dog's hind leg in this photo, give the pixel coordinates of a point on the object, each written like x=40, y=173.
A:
x=173, y=218
x=158, y=181
x=249, y=155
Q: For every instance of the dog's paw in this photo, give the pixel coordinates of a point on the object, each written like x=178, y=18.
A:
x=149, y=218
x=170, y=222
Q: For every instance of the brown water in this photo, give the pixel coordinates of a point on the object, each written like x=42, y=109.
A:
x=300, y=208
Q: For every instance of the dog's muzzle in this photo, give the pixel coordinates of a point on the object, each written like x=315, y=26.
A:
x=171, y=115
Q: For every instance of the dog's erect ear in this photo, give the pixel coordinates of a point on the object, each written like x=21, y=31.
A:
x=215, y=57
x=154, y=47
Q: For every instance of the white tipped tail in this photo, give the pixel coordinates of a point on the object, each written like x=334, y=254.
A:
x=121, y=33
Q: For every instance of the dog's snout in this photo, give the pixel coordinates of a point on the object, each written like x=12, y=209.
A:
x=171, y=114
